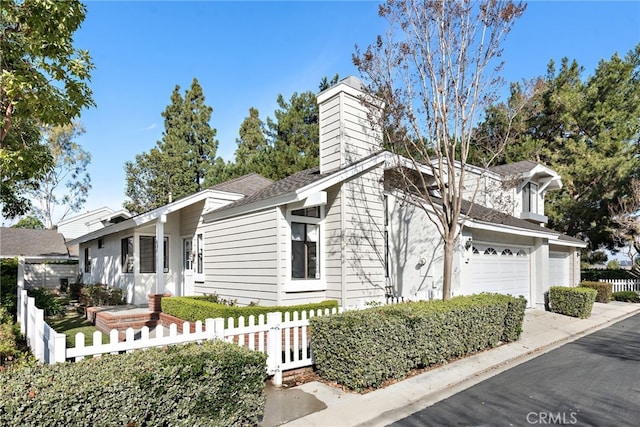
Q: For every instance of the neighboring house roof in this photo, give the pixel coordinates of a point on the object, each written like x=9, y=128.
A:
x=564, y=240
x=247, y=184
x=32, y=243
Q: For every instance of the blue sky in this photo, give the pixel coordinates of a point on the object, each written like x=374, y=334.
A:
x=246, y=53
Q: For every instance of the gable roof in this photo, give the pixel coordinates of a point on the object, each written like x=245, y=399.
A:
x=515, y=168
x=32, y=243
x=247, y=184
x=296, y=187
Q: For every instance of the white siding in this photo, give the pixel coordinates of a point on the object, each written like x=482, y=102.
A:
x=364, y=238
x=82, y=224
x=346, y=134
x=240, y=258
x=49, y=274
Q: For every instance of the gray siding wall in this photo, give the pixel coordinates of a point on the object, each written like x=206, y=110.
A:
x=333, y=248
x=49, y=274
x=364, y=238
x=346, y=133
x=240, y=258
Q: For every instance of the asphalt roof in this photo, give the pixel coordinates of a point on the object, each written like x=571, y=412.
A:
x=247, y=184
x=482, y=213
x=278, y=188
x=34, y=243
x=514, y=168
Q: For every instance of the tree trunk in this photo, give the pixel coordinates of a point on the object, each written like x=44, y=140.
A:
x=449, y=245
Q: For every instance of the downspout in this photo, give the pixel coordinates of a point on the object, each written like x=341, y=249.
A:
x=278, y=256
x=343, y=248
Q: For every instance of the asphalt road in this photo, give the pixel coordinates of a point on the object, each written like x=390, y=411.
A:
x=593, y=381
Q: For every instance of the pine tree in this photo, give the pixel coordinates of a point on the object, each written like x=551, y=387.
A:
x=181, y=161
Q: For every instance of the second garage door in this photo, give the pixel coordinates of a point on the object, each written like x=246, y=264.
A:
x=500, y=269
x=559, y=268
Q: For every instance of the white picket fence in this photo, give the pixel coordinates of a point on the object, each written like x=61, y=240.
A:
x=620, y=285
x=283, y=337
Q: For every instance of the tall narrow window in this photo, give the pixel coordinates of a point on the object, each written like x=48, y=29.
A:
x=304, y=251
x=187, y=252
x=147, y=254
x=200, y=252
x=126, y=254
x=87, y=261
x=530, y=197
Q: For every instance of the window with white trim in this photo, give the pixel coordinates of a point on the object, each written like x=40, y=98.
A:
x=148, y=254
x=200, y=254
x=530, y=197
x=126, y=254
x=305, y=243
x=87, y=261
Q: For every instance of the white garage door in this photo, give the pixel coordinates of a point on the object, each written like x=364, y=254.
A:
x=559, y=269
x=500, y=269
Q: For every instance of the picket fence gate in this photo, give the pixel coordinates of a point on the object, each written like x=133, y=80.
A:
x=285, y=341
x=620, y=285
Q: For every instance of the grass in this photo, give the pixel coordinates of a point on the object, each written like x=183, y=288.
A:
x=72, y=323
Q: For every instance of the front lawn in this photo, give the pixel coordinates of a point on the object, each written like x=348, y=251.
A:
x=70, y=324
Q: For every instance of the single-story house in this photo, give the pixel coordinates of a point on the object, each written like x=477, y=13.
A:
x=47, y=261
x=339, y=231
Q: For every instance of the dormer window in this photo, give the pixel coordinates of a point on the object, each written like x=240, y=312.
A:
x=530, y=197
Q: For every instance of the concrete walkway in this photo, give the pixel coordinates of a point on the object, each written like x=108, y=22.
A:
x=317, y=404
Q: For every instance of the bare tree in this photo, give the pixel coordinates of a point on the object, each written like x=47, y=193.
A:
x=436, y=67
x=625, y=215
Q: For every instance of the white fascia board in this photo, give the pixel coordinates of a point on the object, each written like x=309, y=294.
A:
x=569, y=244
x=78, y=217
x=501, y=228
x=301, y=193
x=156, y=214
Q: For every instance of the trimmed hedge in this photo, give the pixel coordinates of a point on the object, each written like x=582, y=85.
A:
x=575, y=302
x=595, y=274
x=626, y=296
x=362, y=349
x=212, y=384
x=604, y=290
x=193, y=309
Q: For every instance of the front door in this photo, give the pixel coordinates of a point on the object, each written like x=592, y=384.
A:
x=187, y=267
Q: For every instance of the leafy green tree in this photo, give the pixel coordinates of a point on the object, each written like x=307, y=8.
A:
x=67, y=184
x=589, y=132
x=181, y=161
x=44, y=81
x=30, y=222
x=25, y=160
x=44, y=77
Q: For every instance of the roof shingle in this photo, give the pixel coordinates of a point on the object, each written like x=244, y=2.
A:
x=35, y=243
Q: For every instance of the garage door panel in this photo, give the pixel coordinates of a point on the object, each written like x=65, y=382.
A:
x=500, y=270
x=559, y=269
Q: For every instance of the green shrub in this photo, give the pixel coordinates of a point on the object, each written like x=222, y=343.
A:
x=212, y=384
x=75, y=290
x=626, y=296
x=597, y=274
x=47, y=301
x=193, y=309
x=362, y=349
x=9, y=284
x=11, y=355
x=575, y=302
x=603, y=289
x=101, y=295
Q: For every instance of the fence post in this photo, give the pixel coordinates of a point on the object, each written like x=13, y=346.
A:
x=39, y=335
x=218, y=327
x=21, y=312
x=274, y=347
